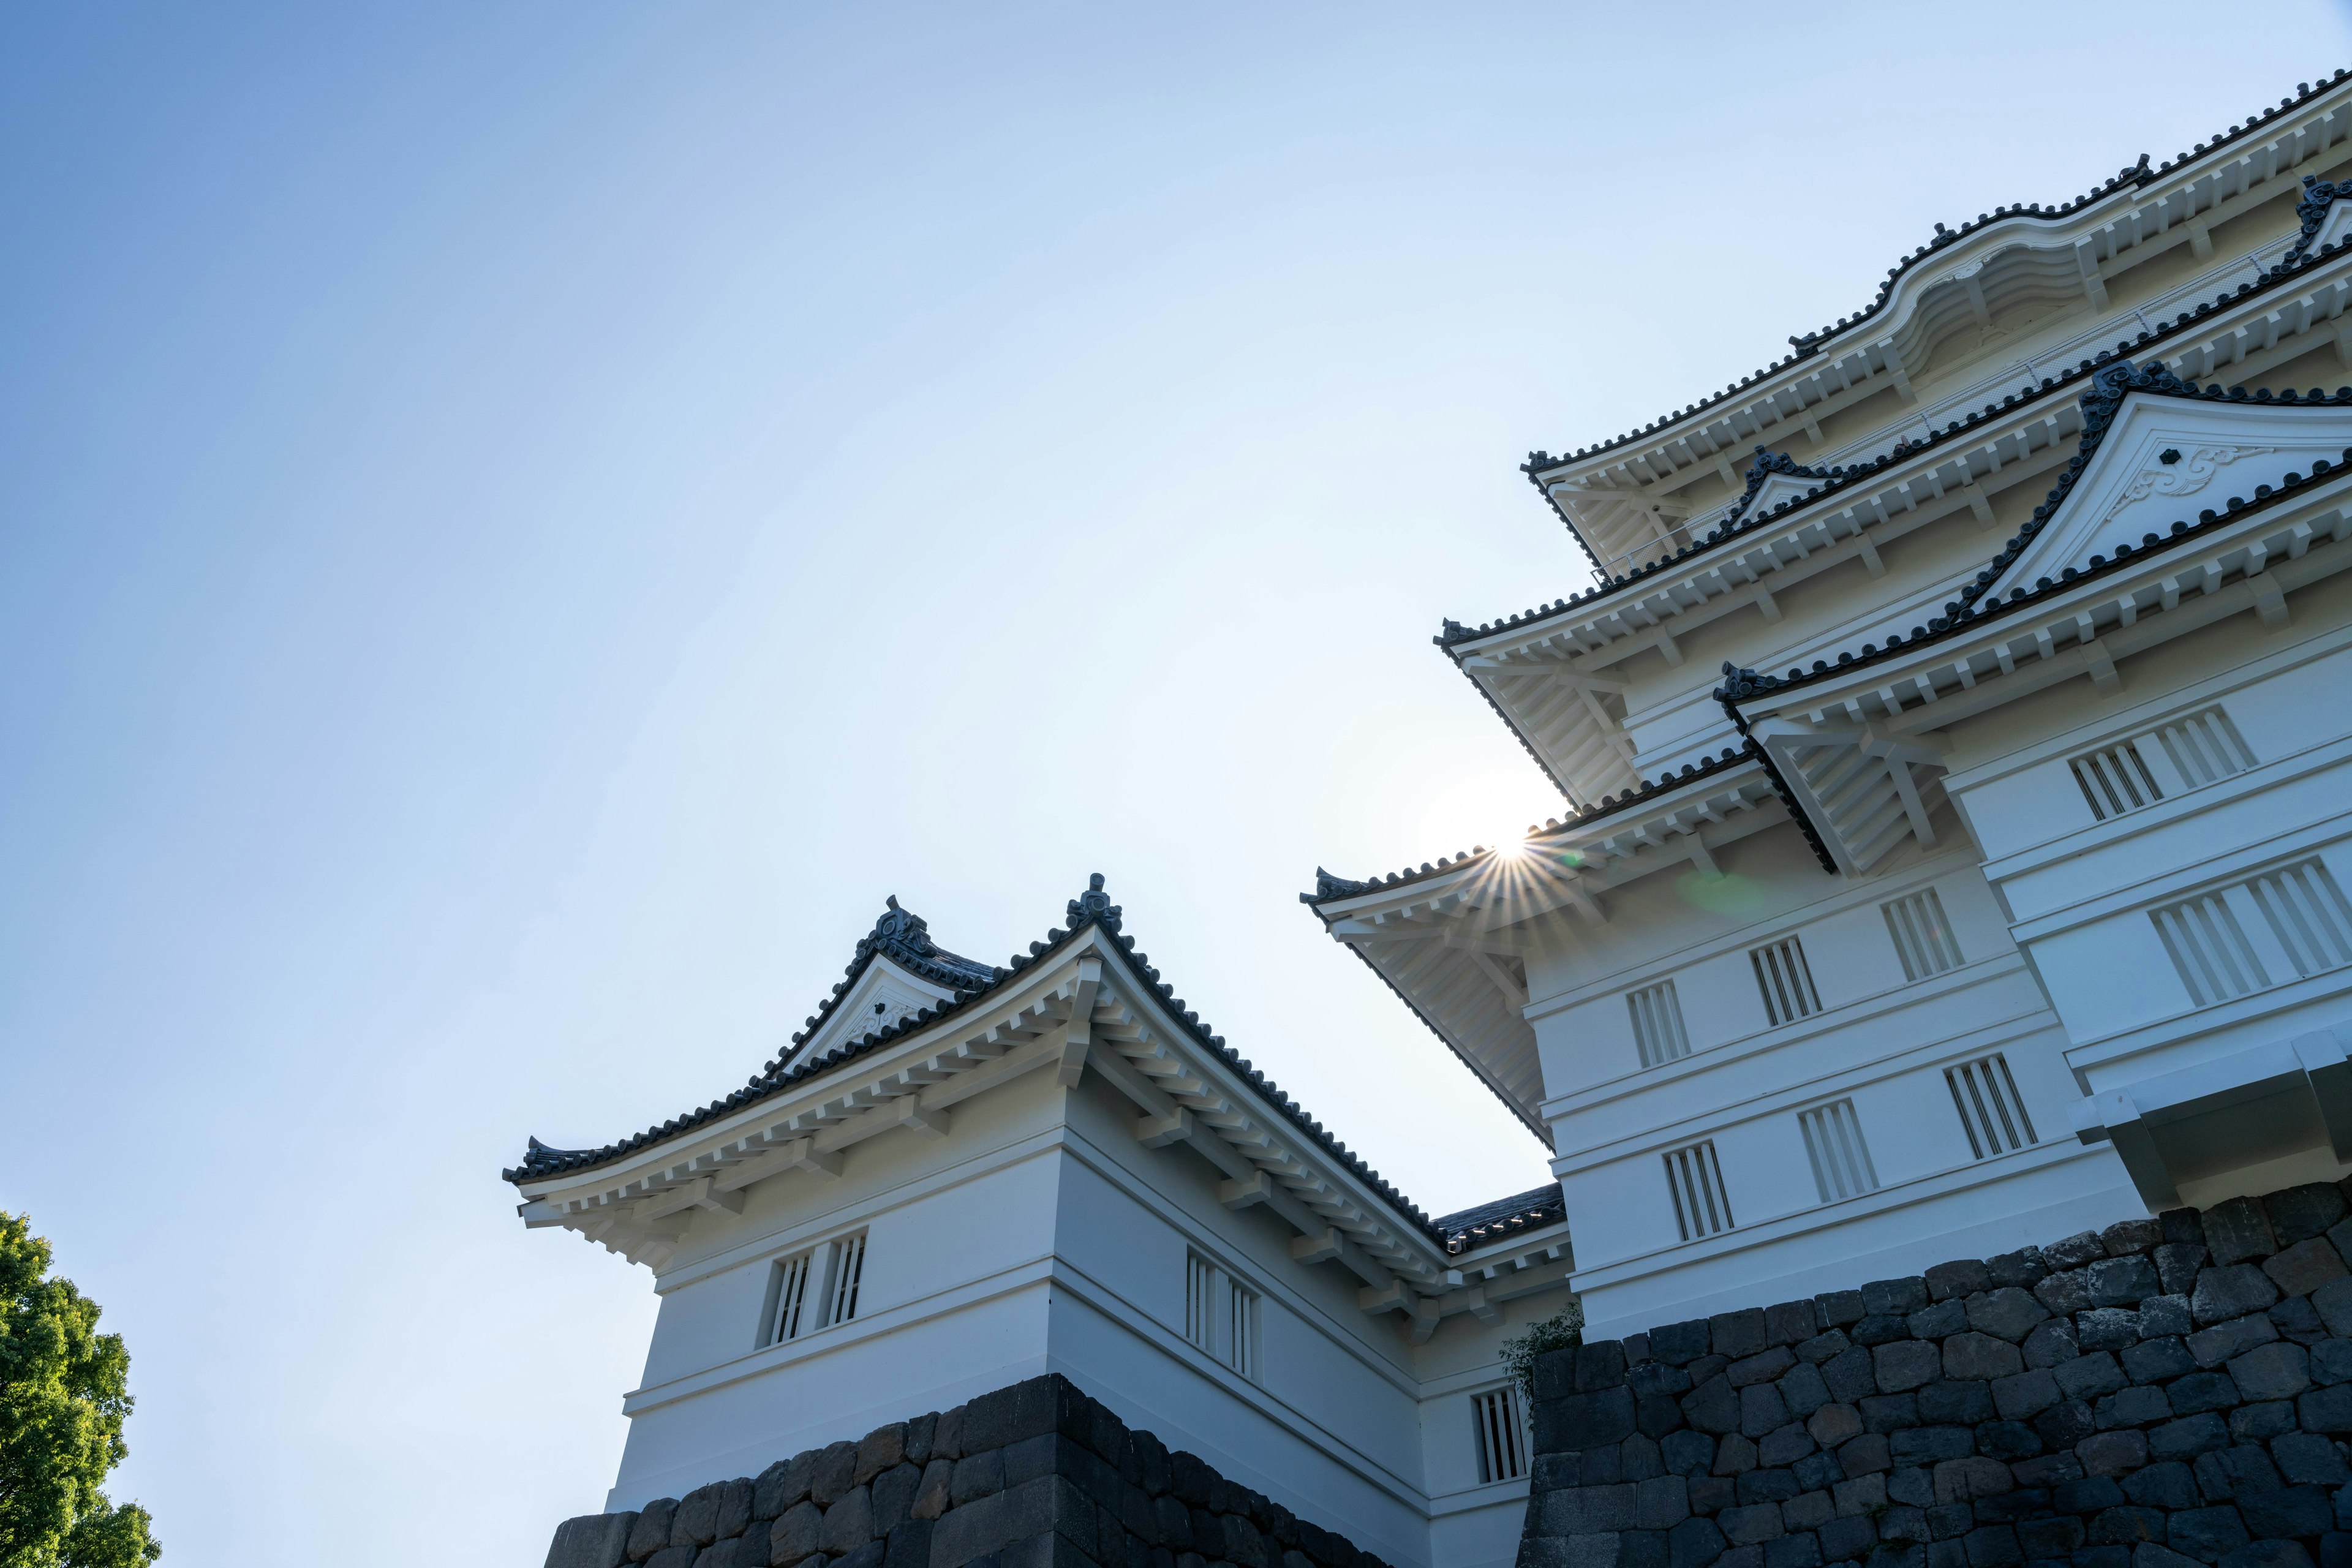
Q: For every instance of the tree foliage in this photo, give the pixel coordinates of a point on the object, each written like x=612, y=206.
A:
x=63, y=1397
x=1557, y=1332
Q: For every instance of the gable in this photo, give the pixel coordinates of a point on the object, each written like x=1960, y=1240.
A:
x=1779, y=489
x=2163, y=459
x=883, y=996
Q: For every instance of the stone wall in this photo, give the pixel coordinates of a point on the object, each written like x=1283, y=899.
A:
x=2164, y=1393
x=1034, y=1476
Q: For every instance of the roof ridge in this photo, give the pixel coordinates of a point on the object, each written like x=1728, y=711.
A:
x=2100, y=403
x=1090, y=909
x=2322, y=195
x=1804, y=346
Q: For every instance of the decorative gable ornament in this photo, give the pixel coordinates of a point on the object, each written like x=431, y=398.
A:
x=2157, y=451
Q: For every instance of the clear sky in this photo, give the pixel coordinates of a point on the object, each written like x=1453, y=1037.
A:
x=519, y=524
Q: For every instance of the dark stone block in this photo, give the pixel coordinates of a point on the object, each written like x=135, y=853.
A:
x=2132, y=1407
x=1843, y=1540
x=2182, y=1226
x=1961, y=1277
x=2326, y=1409
x=879, y=1449
x=2092, y=1494
x=2155, y=1361
x=2187, y=1439
x=2334, y=1302
x=2050, y=1343
x=976, y=1475
x=1713, y=1495
x=782, y=1484
x=1748, y=1525
x=2008, y=1441
x=2121, y=1557
x=1599, y=1365
x=1783, y=1445
x=1555, y=1375
x=2177, y=1265
x=2089, y=1376
x=1839, y=1307
x=1639, y=1459
x=2336, y=1550
x=651, y=1531
x=2279, y=1371
x=1799, y=1551
x=2048, y=1538
x=2024, y=1268
x=835, y=1471
x=2127, y=1236
x=2111, y=1453
x=894, y=1496
x=1803, y=1390
x=848, y=1524
x=1815, y=1471
x=869, y=1555
x=1642, y=1549
x=1933, y=1322
x=2305, y=1458
x=2107, y=1329
x=592, y=1540
x=1972, y=1355
x=1762, y=1410
x=2064, y=1426
x=1693, y=1543
x=2299, y=1214
x=1949, y=1522
x=2206, y=1533
x=2303, y=1512
x=1955, y=1403
x=1655, y=1377
x=1637, y=1349
x=2046, y=1469
x=1894, y=1554
x=1927, y=1445
x=1686, y=1453
x=1898, y=1298
x=2303, y=1268
x=2296, y=1319
x=674, y=1557
x=2065, y=1293
x=1906, y=1364
x=909, y=1545
x=792, y=1535
x=1851, y=1374
x=2127, y=1526
x=1881, y=1327
x=1761, y=1368
x=2201, y=1391
x=1792, y=1322
x=2213, y=1346
x=2006, y=1312
x=1734, y=1455
x=2122, y=1281
x=1766, y=1486
x=2268, y=1554
x=1890, y=1412
x=1656, y=1415
x=2170, y=1485
x=1911, y=1485
x=1992, y=1546
x=2082, y=1247
x=2237, y=1229
x=1661, y=1503
x=1822, y=1347
x=1706, y=1366
x=1737, y=1334
x=1834, y=1424
x=2160, y=1316
x=1713, y=1406
x=1864, y=1454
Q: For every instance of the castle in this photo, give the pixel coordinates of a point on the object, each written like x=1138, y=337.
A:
x=1954, y=755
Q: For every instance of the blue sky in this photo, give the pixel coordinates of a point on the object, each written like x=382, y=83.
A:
x=520, y=525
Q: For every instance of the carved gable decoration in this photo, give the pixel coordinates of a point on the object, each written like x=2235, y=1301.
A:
x=883, y=996
x=2162, y=458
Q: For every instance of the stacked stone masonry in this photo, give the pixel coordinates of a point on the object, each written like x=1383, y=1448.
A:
x=2164, y=1393
x=1034, y=1476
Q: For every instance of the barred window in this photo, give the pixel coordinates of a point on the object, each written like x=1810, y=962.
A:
x=787, y=1295
x=2209, y=950
x=1694, y=1180
x=1786, y=981
x=1992, y=1111
x=2305, y=912
x=1657, y=1024
x=1502, y=1444
x=1220, y=1314
x=2300, y=905
x=2200, y=748
x=848, y=1273
x=814, y=1290
x=1923, y=938
x=1841, y=1160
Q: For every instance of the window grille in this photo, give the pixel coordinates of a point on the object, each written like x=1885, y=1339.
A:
x=1502, y=1444
x=2305, y=911
x=1992, y=1111
x=849, y=1268
x=1923, y=938
x=1696, y=1180
x=792, y=1295
x=1220, y=1314
x=1783, y=975
x=1241, y=1330
x=2114, y=780
x=2204, y=747
x=2210, y=949
x=1657, y=1024
x=1841, y=1167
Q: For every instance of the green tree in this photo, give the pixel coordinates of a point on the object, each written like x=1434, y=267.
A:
x=63, y=1397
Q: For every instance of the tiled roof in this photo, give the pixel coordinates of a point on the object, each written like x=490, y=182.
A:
x=1971, y=610
x=1091, y=909
x=1328, y=887
x=1505, y=1216
x=1805, y=345
x=2318, y=197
